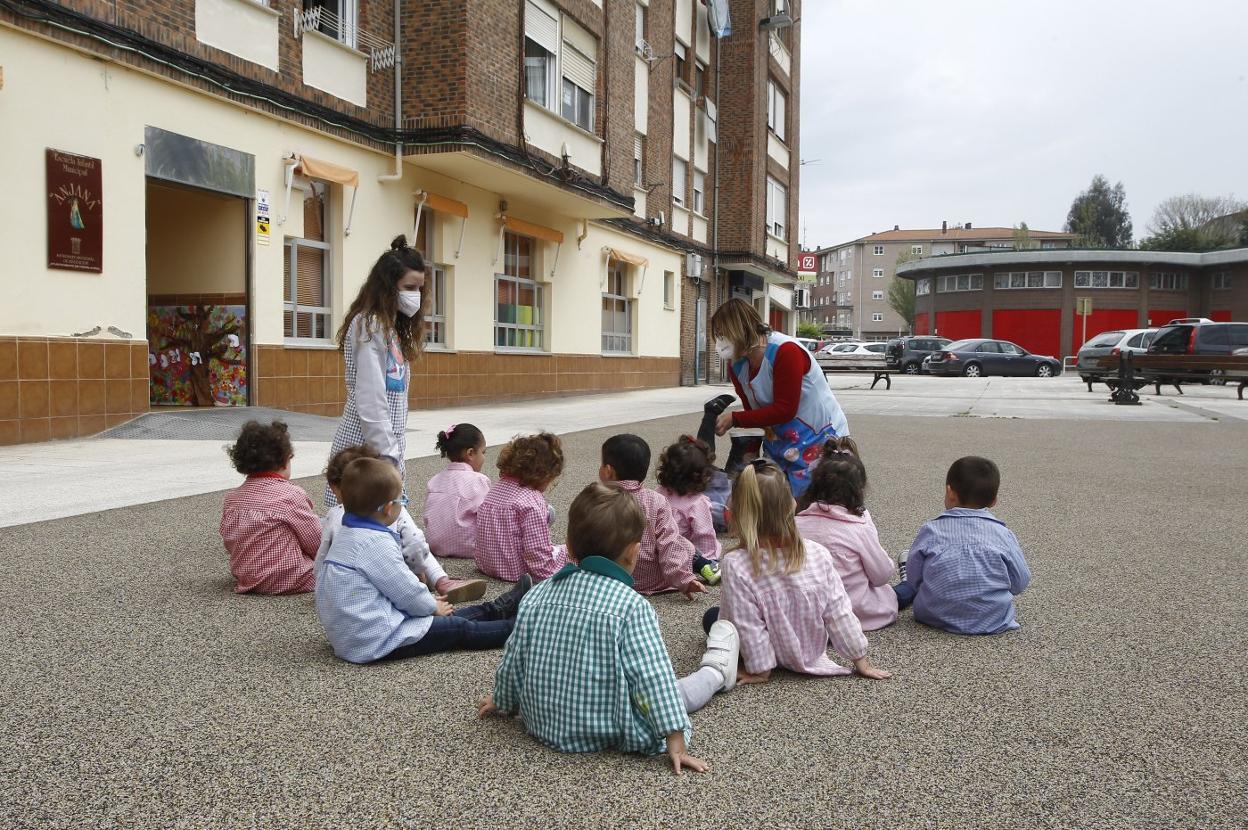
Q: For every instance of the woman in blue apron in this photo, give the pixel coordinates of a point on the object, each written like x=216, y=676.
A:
x=382, y=333
x=782, y=388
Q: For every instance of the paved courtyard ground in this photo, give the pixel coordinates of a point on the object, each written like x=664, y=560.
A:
x=138, y=691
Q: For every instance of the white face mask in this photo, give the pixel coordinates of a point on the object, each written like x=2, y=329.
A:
x=409, y=303
x=724, y=348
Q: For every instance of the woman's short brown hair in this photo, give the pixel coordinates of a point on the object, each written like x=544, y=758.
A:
x=737, y=322
x=532, y=460
x=604, y=521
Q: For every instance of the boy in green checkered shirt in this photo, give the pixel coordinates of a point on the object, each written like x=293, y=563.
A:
x=586, y=621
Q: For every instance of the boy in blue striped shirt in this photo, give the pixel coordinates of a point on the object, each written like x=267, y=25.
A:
x=586, y=668
x=965, y=566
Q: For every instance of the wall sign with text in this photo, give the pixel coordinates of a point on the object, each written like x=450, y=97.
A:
x=75, y=213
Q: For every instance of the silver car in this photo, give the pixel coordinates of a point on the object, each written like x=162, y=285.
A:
x=1111, y=342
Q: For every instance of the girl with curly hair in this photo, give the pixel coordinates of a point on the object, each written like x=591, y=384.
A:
x=685, y=471
x=513, y=522
x=381, y=334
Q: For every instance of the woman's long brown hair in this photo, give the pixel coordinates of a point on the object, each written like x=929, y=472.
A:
x=378, y=299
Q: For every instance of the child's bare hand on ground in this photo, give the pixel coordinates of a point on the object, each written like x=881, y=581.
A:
x=444, y=608
x=486, y=707
x=692, y=587
x=863, y=667
x=744, y=678
x=681, y=759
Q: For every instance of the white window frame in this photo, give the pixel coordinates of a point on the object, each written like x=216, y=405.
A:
x=777, y=209
x=537, y=330
x=640, y=28
x=1168, y=281
x=582, y=114
x=923, y=287
x=1128, y=280
x=699, y=192
x=639, y=149
x=878, y=250
x=878, y=273
x=916, y=250
x=877, y=317
x=669, y=290
x=777, y=109
x=614, y=342
x=877, y=295
x=680, y=176
x=1014, y=280
x=583, y=106
x=325, y=313
x=1222, y=281
x=953, y=283
x=436, y=335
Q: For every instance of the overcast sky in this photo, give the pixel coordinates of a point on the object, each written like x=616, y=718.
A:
x=1000, y=111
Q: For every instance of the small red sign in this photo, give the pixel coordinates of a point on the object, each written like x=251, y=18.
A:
x=807, y=262
x=75, y=213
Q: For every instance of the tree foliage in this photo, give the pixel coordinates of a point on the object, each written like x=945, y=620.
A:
x=901, y=299
x=1098, y=216
x=1192, y=222
x=1022, y=238
x=809, y=329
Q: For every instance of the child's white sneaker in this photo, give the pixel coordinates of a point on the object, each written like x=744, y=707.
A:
x=901, y=566
x=723, y=649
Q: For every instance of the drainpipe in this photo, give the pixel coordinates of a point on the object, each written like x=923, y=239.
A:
x=719, y=116
x=398, y=100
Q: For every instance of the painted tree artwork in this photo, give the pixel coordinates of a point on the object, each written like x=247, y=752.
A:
x=198, y=355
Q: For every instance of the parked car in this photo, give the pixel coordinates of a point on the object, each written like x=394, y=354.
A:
x=811, y=345
x=977, y=356
x=907, y=353
x=1200, y=338
x=854, y=352
x=828, y=348
x=1111, y=342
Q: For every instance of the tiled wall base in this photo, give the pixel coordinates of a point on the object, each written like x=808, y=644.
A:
x=66, y=387
x=311, y=380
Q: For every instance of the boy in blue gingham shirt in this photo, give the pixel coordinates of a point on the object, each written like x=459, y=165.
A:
x=965, y=566
x=586, y=621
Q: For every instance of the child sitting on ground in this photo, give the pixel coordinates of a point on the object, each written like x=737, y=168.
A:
x=586, y=668
x=965, y=566
x=746, y=445
x=416, y=553
x=267, y=524
x=371, y=605
x=455, y=493
x=782, y=592
x=684, y=473
x=513, y=522
x=666, y=558
x=835, y=515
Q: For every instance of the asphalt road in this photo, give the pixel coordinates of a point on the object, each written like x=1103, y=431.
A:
x=138, y=691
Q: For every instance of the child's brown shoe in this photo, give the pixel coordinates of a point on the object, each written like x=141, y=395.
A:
x=461, y=590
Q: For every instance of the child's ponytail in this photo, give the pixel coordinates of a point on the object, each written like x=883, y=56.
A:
x=458, y=439
x=839, y=479
x=762, y=509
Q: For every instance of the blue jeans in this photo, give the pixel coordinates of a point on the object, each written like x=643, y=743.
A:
x=905, y=594
x=466, y=628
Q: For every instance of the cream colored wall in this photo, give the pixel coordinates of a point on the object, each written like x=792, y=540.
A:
x=550, y=132
x=118, y=103
x=196, y=242
x=240, y=27
x=334, y=67
x=102, y=111
x=680, y=124
x=641, y=95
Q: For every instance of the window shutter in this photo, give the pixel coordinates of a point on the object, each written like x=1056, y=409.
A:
x=637, y=146
x=541, y=28
x=578, y=69
x=310, y=276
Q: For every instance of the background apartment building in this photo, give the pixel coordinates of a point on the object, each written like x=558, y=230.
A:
x=849, y=295
x=197, y=189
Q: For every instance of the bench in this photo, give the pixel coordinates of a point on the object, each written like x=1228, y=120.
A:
x=1127, y=373
x=839, y=367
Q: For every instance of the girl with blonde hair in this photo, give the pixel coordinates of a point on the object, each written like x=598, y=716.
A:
x=782, y=592
x=782, y=389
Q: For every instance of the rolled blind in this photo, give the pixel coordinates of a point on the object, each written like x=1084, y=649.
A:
x=310, y=276
x=578, y=68
x=637, y=146
x=541, y=28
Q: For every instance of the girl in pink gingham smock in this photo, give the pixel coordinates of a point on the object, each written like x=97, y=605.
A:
x=684, y=473
x=836, y=517
x=455, y=493
x=781, y=591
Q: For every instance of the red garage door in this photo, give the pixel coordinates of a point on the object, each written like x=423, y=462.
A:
x=958, y=325
x=1221, y=316
x=1161, y=316
x=920, y=323
x=1103, y=319
x=1038, y=330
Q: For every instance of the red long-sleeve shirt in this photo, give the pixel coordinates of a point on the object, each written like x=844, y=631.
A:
x=792, y=364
